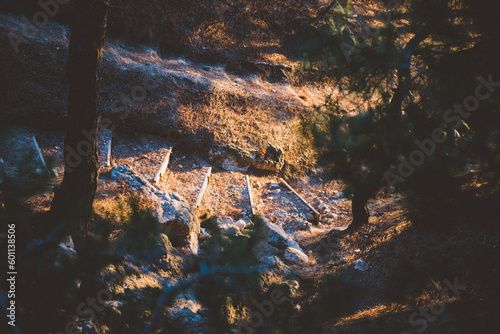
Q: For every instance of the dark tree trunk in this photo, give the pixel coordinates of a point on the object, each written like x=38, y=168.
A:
x=73, y=200
x=360, y=212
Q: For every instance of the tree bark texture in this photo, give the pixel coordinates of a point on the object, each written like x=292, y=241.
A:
x=73, y=200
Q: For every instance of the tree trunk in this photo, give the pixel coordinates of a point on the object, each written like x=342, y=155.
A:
x=73, y=200
x=360, y=212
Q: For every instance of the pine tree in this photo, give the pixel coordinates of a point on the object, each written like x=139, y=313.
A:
x=406, y=69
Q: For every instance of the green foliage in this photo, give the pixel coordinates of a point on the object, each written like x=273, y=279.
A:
x=403, y=80
x=227, y=297
x=221, y=249
x=353, y=147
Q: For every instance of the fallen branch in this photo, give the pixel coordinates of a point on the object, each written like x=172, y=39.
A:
x=316, y=213
x=163, y=167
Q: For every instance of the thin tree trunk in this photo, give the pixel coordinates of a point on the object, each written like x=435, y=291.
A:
x=360, y=212
x=73, y=200
x=364, y=191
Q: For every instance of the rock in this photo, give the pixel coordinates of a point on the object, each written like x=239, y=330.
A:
x=295, y=256
x=228, y=227
x=275, y=191
x=164, y=243
x=175, y=214
x=360, y=265
x=241, y=224
x=124, y=172
x=323, y=208
x=276, y=236
x=185, y=312
x=231, y=165
x=230, y=156
x=331, y=215
x=338, y=195
x=273, y=184
x=264, y=252
x=272, y=161
x=86, y=327
x=289, y=288
x=113, y=306
x=304, y=225
x=203, y=234
x=178, y=220
x=310, y=216
x=62, y=257
x=282, y=242
x=66, y=248
x=190, y=322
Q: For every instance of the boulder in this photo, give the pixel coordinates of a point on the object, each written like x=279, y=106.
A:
x=231, y=165
x=175, y=214
x=281, y=244
x=276, y=236
x=230, y=157
x=241, y=224
x=289, y=288
x=125, y=173
x=185, y=313
x=275, y=191
x=204, y=235
x=273, y=184
x=61, y=258
x=190, y=322
x=295, y=256
x=163, y=243
x=323, y=207
x=304, y=225
x=331, y=215
x=228, y=227
x=360, y=265
x=178, y=220
x=233, y=158
x=273, y=159
x=264, y=252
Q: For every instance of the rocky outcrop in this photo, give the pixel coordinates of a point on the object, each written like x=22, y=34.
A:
x=186, y=314
x=232, y=158
x=277, y=242
x=175, y=214
x=273, y=160
x=178, y=220
x=231, y=228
